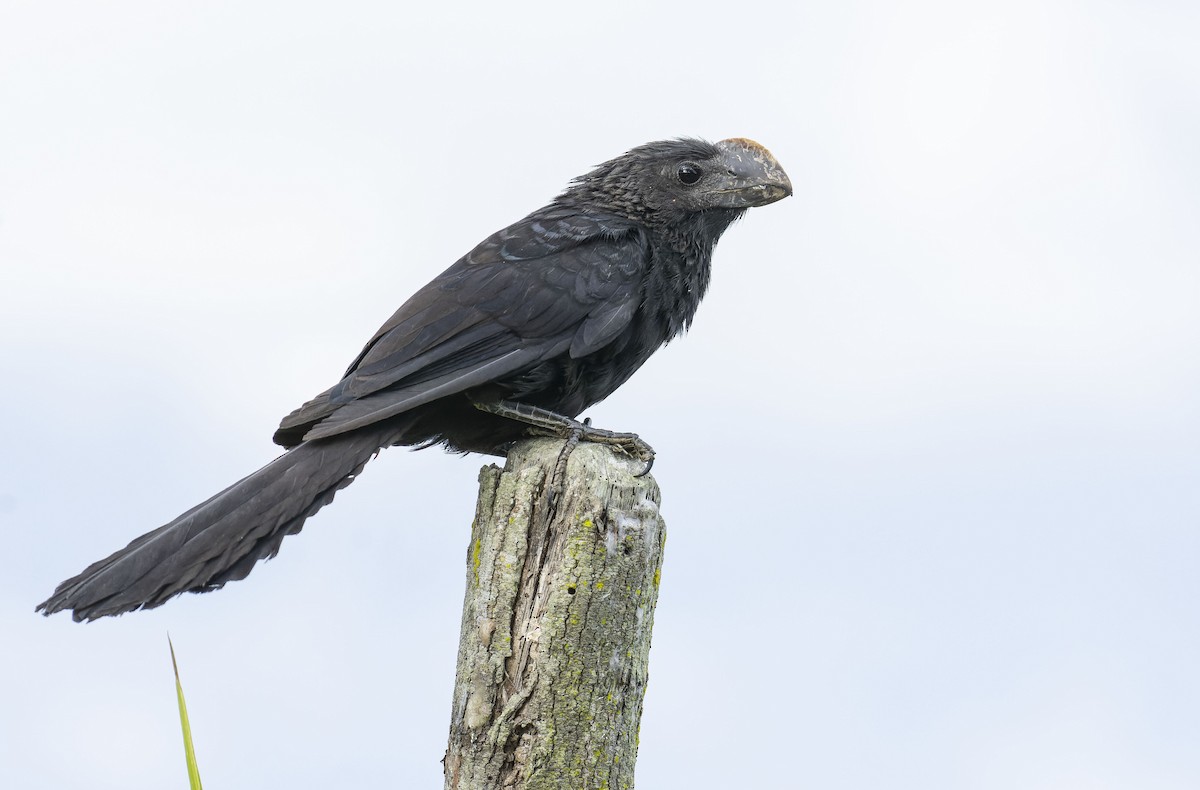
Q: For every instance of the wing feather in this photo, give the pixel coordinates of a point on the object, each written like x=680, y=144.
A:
x=557, y=282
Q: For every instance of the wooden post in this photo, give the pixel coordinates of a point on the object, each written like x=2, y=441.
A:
x=556, y=624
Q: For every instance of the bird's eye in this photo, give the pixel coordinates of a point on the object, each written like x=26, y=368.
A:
x=688, y=173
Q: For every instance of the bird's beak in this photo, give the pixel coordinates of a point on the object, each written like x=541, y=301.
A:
x=753, y=177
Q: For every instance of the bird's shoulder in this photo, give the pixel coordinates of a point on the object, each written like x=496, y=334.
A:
x=547, y=232
x=542, y=276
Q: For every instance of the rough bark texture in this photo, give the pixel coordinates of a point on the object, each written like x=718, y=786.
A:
x=556, y=624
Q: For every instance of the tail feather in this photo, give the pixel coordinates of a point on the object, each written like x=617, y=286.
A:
x=221, y=539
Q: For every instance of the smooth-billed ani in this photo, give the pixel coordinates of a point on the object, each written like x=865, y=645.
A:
x=537, y=323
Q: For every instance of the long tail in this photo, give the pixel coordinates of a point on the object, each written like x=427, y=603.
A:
x=220, y=540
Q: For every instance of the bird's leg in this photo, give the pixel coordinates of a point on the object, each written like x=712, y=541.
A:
x=573, y=431
x=560, y=465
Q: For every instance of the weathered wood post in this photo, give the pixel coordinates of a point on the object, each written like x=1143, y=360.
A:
x=556, y=624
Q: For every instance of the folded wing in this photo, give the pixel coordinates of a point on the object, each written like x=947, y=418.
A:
x=557, y=282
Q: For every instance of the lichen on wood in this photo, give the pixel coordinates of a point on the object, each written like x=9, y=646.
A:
x=557, y=618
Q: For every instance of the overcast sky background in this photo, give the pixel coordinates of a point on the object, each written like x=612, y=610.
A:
x=929, y=455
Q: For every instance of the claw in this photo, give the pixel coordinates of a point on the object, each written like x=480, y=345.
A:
x=572, y=432
x=649, y=465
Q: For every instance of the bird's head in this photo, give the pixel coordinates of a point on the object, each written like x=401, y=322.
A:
x=679, y=177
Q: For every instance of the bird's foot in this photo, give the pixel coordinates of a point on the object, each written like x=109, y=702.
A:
x=572, y=432
x=629, y=443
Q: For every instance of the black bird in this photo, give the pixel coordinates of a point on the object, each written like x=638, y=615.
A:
x=537, y=323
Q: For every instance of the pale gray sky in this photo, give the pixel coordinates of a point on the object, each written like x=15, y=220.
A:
x=929, y=455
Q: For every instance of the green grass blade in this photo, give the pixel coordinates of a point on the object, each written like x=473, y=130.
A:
x=188, y=750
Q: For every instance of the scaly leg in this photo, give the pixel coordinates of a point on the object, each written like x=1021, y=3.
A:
x=571, y=431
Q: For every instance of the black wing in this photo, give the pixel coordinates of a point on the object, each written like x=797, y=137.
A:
x=557, y=282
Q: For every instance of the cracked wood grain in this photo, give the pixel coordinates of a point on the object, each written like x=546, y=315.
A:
x=557, y=618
